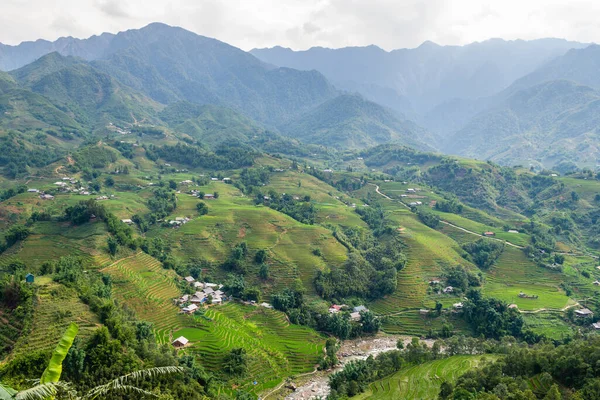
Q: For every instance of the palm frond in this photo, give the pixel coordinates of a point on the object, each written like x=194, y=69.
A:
x=100, y=391
x=42, y=391
x=122, y=383
x=6, y=393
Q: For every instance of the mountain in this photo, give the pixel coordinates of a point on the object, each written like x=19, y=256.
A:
x=170, y=64
x=419, y=79
x=93, y=97
x=352, y=122
x=545, y=125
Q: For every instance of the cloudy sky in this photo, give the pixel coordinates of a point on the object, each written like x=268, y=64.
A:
x=300, y=24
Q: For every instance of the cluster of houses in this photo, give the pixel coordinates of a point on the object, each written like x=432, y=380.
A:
x=354, y=314
x=415, y=203
x=63, y=185
x=208, y=293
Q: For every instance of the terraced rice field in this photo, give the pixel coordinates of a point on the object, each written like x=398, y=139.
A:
x=515, y=273
x=54, y=309
x=550, y=324
x=276, y=348
x=428, y=251
x=422, y=382
x=145, y=286
x=233, y=219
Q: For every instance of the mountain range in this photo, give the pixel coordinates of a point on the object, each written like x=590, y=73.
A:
x=509, y=101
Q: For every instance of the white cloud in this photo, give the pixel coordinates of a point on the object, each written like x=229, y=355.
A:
x=301, y=24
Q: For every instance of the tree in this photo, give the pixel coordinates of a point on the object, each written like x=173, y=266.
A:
x=109, y=181
x=236, y=362
x=113, y=245
x=202, y=208
x=370, y=323
x=216, y=194
x=172, y=184
x=263, y=273
x=261, y=256
x=553, y=393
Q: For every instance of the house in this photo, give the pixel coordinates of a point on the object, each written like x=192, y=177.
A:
x=227, y=180
x=413, y=204
x=189, y=279
x=186, y=182
x=190, y=309
x=334, y=309
x=511, y=306
x=66, y=178
x=554, y=175
x=423, y=311
x=212, y=285
x=198, y=285
x=209, y=196
x=33, y=190
x=411, y=190
x=584, y=313
x=180, y=342
x=208, y=291
x=127, y=221
x=214, y=179
x=596, y=325
x=360, y=309
x=198, y=298
x=448, y=289
x=184, y=299
x=328, y=170
x=266, y=305
x=489, y=234
x=47, y=197
x=216, y=300
x=597, y=283
x=355, y=316
x=434, y=282
x=102, y=198
x=29, y=278
x=218, y=293
x=61, y=184
x=457, y=306
x=359, y=158
x=512, y=231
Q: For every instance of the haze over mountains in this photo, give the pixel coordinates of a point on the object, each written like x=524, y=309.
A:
x=509, y=101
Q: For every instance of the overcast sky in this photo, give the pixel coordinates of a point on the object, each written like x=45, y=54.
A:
x=301, y=24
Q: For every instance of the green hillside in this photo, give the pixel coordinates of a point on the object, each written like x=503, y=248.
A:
x=350, y=121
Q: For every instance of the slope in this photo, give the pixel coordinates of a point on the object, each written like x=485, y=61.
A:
x=350, y=121
x=542, y=125
x=91, y=96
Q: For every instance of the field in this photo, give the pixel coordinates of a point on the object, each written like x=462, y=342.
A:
x=55, y=308
x=276, y=348
x=422, y=382
x=234, y=218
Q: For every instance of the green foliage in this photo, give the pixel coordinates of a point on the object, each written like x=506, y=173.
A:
x=95, y=156
x=428, y=218
x=224, y=157
x=236, y=362
x=491, y=317
x=202, y=208
x=484, y=252
x=54, y=368
x=15, y=234
x=302, y=211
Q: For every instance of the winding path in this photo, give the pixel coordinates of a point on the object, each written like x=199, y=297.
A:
x=448, y=223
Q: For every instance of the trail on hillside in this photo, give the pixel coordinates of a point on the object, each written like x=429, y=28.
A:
x=450, y=224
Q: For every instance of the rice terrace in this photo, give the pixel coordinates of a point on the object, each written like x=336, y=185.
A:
x=184, y=219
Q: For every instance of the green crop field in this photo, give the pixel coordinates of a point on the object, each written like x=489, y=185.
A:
x=422, y=382
x=515, y=273
x=234, y=218
x=55, y=308
x=277, y=349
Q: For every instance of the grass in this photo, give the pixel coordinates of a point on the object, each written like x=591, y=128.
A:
x=548, y=323
x=422, y=381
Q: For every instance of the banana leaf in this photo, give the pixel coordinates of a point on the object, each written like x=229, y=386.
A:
x=54, y=368
x=6, y=393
